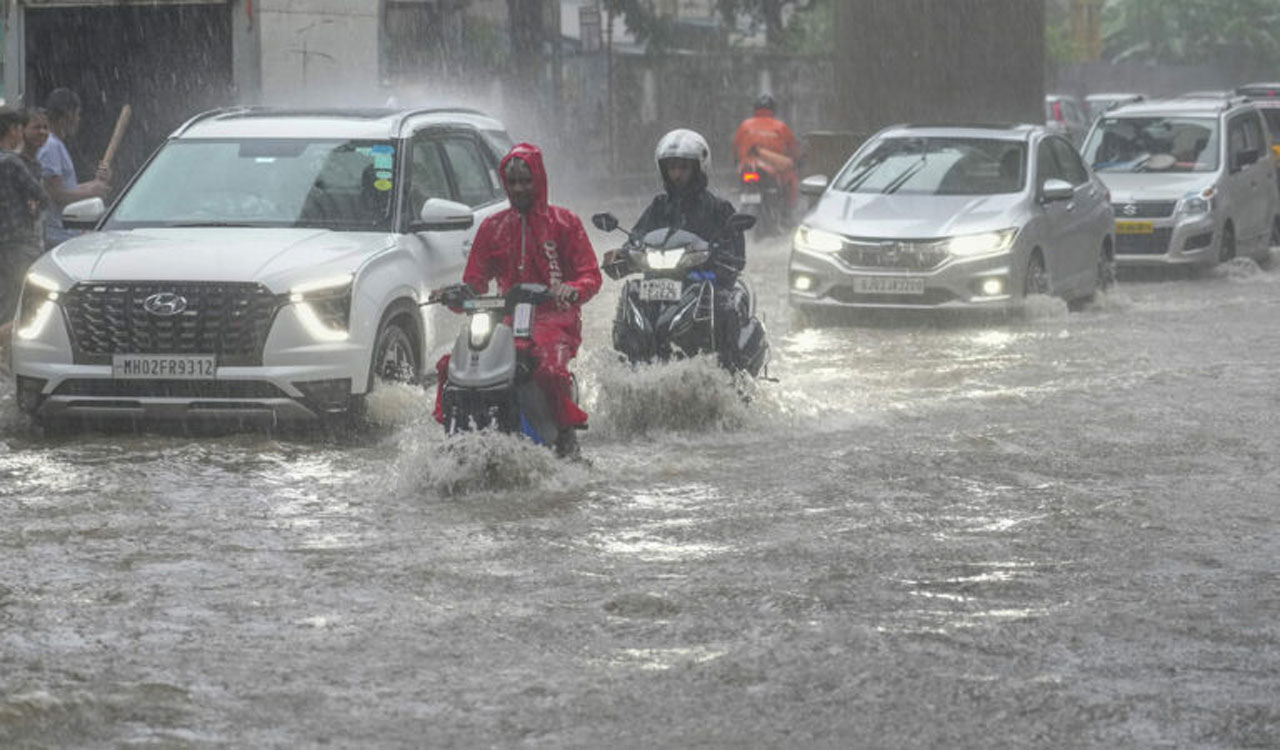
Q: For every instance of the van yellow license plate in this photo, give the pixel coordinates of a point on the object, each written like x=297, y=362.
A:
x=1135, y=227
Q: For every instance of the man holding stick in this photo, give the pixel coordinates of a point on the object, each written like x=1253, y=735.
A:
x=63, y=108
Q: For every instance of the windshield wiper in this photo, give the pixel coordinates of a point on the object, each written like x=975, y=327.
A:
x=908, y=173
x=198, y=224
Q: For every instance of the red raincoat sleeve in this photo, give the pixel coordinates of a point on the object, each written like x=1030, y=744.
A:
x=583, y=272
x=486, y=257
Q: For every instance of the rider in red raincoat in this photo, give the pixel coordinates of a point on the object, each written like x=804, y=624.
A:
x=536, y=242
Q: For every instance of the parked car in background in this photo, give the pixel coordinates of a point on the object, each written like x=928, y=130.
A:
x=263, y=265
x=1096, y=104
x=1066, y=116
x=1267, y=98
x=932, y=217
x=1190, y=180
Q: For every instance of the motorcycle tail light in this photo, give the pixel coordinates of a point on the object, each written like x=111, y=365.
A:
x=750, y=176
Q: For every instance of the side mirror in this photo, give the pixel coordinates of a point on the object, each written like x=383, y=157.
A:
x=439, y=215
x=1245, y=158
x=1057, y=190
x=605, y=222
x=83, y=214
x=740, y=222
x=814, y=185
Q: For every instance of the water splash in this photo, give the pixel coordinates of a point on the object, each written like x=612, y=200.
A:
x=475, y=462
x=691, y=395
x=399, y=404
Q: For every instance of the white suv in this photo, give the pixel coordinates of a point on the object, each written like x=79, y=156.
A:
x=264, y=264
x=1192, y=180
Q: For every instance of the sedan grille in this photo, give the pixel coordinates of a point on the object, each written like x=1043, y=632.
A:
x=1144, y=209
x=904, y=255
x=1156, y=243
x=230, y=320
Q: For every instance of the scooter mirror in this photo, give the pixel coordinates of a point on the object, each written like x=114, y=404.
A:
x=605, y=222
x=740, y=222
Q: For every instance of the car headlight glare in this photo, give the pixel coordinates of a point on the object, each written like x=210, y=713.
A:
x=324, y=307
x=38, y=304
x=985, y=243
x=817, y=240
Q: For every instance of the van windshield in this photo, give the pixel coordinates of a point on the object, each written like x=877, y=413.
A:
x=1153, y=144
x=258, y=182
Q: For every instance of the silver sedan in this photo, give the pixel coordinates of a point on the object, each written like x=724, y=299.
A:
x=940, y=217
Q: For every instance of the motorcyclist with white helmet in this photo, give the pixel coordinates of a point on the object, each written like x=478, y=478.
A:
x=684, y=163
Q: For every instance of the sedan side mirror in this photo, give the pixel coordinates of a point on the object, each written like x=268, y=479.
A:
x=83, y=214
x=1057, y=190
x=605, y=222
x=814, y=185
x=439, y=215
x=740, y=222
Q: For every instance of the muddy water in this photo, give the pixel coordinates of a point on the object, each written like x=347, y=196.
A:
x=1054, y=530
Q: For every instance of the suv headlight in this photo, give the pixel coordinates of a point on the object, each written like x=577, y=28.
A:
x=39, y=302
x=817, y=240
x=324, y=306
x=1194, y=204
x=985, y=243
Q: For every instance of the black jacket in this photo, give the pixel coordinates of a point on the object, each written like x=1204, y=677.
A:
x=698, y=210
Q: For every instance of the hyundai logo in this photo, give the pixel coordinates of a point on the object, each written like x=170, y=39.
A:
x=164, y=304
x=1131, y=209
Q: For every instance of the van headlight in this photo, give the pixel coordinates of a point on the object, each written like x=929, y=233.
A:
x=985, y=243
x=1195, y=204
x=38, y=304
x=324, y=306
x=817, y=240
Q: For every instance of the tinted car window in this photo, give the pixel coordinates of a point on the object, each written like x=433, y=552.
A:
x=1047, y=167
x=1273, y=123
x=1069, y=163
x=470, y=172
x=427, y=176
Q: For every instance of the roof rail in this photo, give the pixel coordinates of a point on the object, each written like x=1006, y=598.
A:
x=437, y=110
x=237, y=109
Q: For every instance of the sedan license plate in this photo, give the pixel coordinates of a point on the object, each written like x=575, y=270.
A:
x=888, y=285
x=659, y=290
x=164, y=366
x=1135, y=227
x=751, y=198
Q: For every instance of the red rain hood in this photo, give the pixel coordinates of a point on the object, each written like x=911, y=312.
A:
x=531, y=155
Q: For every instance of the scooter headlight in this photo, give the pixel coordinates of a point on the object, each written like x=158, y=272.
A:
x=481, y=330
x=39, y=302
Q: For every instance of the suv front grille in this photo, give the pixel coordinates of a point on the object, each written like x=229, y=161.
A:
x=207, y=389
x=902, y=255
x=1144, y=209
x=227, y=319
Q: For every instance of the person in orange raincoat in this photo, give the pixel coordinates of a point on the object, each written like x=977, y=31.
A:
x=767, y=132
x=535, y=242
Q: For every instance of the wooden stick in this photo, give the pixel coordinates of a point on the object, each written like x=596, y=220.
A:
x=122, y=122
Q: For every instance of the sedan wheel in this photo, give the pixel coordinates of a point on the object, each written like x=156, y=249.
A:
x=1037, y=278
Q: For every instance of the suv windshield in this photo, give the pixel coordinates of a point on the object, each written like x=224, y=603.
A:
x=938, y=166
x=1154, y=144
x=330, y=184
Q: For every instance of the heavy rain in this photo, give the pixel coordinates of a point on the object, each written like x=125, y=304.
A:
x=978, y=451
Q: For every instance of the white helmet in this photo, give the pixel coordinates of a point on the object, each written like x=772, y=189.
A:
x=684, y=144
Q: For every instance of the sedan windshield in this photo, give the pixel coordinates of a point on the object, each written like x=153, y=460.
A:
x=938, y=166
x=330, y=184
x=1154, y=144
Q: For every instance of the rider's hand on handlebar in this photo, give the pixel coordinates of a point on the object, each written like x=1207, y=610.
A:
x=564, y=295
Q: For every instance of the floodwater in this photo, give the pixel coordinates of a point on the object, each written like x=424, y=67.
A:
x=1051, y=530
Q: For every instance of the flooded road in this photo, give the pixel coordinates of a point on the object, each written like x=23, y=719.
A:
x=1053, y=530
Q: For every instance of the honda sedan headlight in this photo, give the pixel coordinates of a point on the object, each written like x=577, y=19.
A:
x=39, y=301
x=817, y=240
x=324, y=307
x=985, y=243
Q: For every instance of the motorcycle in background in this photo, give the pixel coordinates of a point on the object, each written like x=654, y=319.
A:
x=760, y=194
x=668, y=311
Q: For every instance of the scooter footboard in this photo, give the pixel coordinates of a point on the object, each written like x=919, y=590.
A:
x=479, y=409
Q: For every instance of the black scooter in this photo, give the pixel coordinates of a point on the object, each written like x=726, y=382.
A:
x=669, y=310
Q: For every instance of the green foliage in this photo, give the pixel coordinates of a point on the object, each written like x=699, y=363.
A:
x=1192, y=31
x=1059, y=46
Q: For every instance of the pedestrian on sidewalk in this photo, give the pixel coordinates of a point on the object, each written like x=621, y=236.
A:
x=21, y=201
